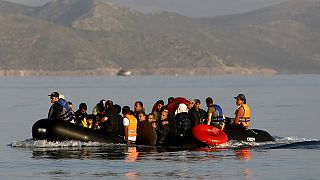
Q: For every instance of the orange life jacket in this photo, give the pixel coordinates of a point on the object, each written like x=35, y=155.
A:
x=132, y=128
x=245, y=120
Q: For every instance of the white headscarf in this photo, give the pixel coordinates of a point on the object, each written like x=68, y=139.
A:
x=182, y=108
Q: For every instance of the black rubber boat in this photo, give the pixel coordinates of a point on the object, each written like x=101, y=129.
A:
x=57, y=130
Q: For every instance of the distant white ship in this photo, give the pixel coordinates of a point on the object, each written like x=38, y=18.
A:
x=124, y=72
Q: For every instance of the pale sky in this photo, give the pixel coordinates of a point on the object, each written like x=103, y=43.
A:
x=193, y=8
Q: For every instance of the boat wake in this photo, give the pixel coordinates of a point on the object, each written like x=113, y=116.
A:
x=279, y=143
x=30, y=143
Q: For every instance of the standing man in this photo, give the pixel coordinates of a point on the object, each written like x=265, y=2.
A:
x=242, y=120
x=215, y=115
x=130, y=124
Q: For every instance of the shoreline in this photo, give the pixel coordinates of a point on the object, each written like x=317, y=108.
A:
x=204, y=71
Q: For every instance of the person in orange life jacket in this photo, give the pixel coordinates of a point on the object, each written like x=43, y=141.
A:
x=87, y=122
x=215, y=115
x=130, y=124
x=57, y=111
x=242, y=119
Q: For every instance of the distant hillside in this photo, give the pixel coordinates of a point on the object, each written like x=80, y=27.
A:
x=33, y=44
x=284, y=37
x=86, y=35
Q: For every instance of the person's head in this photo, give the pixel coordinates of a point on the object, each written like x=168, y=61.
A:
x=102, y=103
x=126, y=110
x=138, y=106
x=197, y=104
x=142, y=116
x=170, y=99
x=151, y=117
x=70, y=105
x=89, y=119
x=190, y=103
x=240, y=99
x=54, y=97
x=160, y=104
x=109, y=104
x=209, y=101
x=181, y=109
x=83, y=107
x=164, y=115
x=117, y=108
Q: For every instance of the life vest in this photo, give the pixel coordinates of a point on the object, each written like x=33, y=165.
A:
x=65, y=114
x=245, y=120
x=132, y=128
x=220, y=118
x=85, y=123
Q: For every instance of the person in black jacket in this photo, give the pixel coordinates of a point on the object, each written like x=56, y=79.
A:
x=196, y=114
x=145, y=132
x=163, y=129
x=111, y=125
x=56, y=110
x=81, y=113
x=183, y=122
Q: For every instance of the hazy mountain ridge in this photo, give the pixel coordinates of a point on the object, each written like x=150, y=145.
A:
x=91, y=34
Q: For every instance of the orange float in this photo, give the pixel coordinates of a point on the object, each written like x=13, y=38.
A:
x=209, y=135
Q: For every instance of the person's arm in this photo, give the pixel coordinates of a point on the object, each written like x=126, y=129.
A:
x=126, y=126
x=126, y=133
x=239, y=115
x=209, y=118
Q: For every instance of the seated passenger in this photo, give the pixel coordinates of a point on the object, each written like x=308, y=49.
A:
x=163, y=129
x=157, y=108
x=99, y=108
x=120, y=131
x=190, y=104
x=196, y=114
x=80, y=113
x=183, y=122
x=59, y=109
x=111, y=125
x=130, y=124
x=242, y=119
x=72, y=112
x=138, y=107
x=87, y=122
x=146, y=134
x=215, y=115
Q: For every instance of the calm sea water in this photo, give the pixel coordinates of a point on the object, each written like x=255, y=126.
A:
x=285, y=106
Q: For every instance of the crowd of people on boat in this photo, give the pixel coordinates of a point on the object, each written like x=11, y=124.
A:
x=165, y=124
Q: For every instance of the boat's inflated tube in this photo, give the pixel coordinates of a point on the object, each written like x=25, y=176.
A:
x=59, y=130
x=249, y=135
x=209, y=135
